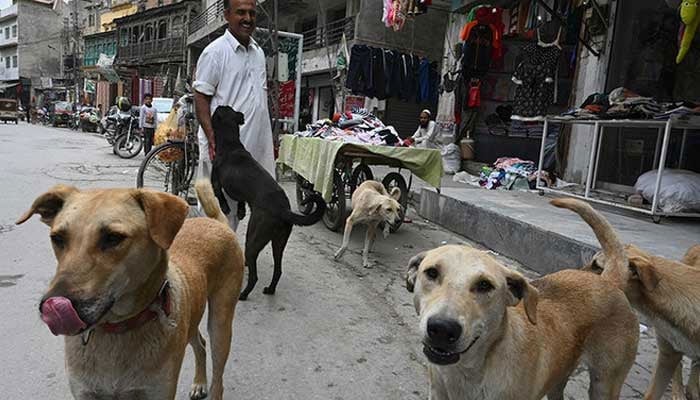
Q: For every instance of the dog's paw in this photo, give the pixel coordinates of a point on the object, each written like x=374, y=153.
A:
x=338, y=254
x=198, y=391
x=268, y=290
x=367, y=265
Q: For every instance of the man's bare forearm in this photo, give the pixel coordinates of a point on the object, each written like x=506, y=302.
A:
x=202, y=105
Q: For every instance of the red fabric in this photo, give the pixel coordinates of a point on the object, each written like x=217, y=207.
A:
x=474, y=96
x=287, y=94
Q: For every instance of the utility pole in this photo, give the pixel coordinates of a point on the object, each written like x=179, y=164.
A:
x=76, y=49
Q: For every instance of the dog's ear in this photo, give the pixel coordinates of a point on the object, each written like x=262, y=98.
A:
x=165, y=215
x=395, y=193
x=240, y=118
x=519, y=289
x=49, y=204
x=412, y=271
x=643, y=270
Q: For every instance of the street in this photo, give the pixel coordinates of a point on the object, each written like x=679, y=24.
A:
x=334, y=330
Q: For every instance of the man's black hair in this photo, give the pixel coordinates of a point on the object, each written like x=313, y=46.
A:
x=147, y=95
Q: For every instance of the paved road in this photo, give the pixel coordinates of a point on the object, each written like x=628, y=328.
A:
x=333, y=331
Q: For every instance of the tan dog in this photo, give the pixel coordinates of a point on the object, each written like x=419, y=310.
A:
x=666, y=292
x=371, y=205
x=132, y=282
x=489, y=334
x=692, y=258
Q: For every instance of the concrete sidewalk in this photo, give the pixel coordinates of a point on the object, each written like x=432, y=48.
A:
x=525, y=227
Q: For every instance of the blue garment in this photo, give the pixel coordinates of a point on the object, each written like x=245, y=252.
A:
x=427, y=82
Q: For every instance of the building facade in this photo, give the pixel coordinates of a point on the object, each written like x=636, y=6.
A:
x=324, y=24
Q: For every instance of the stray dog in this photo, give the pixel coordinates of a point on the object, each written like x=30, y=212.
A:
x=692, y=258
x=237, y=173
x=666, y=292
x=489, y=334
x=371, y=205
x=132, y=282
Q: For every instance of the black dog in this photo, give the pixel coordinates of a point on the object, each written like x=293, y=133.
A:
x=243, y=179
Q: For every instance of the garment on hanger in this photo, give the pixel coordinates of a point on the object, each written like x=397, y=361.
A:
x=477, y=51
x=535, y=79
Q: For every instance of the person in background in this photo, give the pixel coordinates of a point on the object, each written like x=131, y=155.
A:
x=148, y=122
x=426, y=134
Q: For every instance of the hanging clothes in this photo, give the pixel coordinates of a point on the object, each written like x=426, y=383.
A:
x=535, y=78
x=477, y=50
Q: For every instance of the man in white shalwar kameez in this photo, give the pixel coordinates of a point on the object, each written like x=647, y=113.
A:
x=231, y=72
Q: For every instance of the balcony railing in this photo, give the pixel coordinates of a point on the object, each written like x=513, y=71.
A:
x=162, y=48
x=329, y=34
x=214, y=14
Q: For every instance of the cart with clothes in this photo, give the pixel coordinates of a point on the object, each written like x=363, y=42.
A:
x=333, y=157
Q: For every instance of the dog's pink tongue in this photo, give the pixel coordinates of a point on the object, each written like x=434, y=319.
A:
x=58, y=313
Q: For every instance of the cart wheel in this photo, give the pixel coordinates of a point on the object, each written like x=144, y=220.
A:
x=656, y=219
x=392, y=180
x=304, y=189
x=360, y=174
x=334, y=217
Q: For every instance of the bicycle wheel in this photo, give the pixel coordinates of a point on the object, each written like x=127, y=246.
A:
x=360, y=174
x=168, y=168
x=334, y=217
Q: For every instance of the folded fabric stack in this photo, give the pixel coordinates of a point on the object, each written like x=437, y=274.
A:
x=623, y=103
x=359, y=127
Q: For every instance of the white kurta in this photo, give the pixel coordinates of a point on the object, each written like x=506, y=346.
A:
x=236, y=76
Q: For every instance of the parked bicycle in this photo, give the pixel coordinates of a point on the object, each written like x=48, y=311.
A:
x=171, y=166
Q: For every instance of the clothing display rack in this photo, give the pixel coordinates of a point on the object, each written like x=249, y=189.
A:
x=662, y=144
x=562, y=20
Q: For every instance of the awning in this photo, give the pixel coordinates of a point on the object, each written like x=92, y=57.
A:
x=5, y=85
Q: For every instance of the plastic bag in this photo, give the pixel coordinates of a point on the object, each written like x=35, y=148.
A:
x=679, y=191
x=170, y=129
x=451, y=159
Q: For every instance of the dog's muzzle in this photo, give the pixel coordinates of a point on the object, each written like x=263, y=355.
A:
x=443, y=337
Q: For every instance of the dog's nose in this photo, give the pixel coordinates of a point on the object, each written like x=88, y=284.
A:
x=443, y=331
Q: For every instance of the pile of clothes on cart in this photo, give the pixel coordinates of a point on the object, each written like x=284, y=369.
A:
x=359, y=127
x=512, y=173
x=623, y=103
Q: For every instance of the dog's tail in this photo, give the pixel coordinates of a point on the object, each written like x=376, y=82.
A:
x=307, y=220
x=205, y=194
x=616, y=268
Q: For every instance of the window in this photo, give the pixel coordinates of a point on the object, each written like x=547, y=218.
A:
x=149, y=32
x=177, y=26
x=14, y=61
x=91, y=20
x=8, y=60
x=7, y=32
x=162, y=29
x=14, y=30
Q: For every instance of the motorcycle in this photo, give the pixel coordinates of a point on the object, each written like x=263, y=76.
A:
x=89, y=119
x=108, y=123
x=43, y=116
x=74, y=122
x=128, y=141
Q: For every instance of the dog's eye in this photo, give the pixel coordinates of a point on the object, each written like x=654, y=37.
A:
x=110, y=240
x=58, y=240
x=432, y=273
x=483, y=286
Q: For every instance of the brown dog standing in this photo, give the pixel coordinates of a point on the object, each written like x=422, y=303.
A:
x=489, y=334
x=666, y=292
x=371, y=205
x=132, y=282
